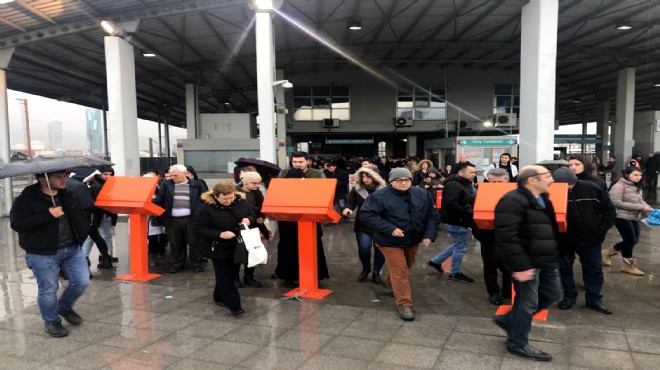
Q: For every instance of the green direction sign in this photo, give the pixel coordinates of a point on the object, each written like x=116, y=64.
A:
x=578, y=139
x=487, y=142
x=349, y=141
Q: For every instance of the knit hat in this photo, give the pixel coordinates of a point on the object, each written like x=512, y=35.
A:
x=247, y=177
x=399, y=172
x=563, y=174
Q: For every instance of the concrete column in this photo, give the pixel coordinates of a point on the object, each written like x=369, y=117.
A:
x=584, y=134
x=122, y=106
x=281, y=121
x=265, y=72
x=192, y=111
x=602, y=128
x=625, y=112
x=411, y=145
x=538, y=58
x=656, y=133
x=5, y=148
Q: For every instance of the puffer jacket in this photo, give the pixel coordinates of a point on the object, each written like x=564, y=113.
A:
x=457, y=201
x=593, y=179
x=412, y=211
x=360, y=193
x=627, y=200
x=212, y=218
x=525, y=233
x=590, y=214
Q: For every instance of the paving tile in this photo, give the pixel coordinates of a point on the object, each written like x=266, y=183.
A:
x=254, y=334
x=301, y=340
x=189, y=363
x=326, y=362
x=357, y=348
x=9, y=362
x=421, y=336
x=646, y=361
x=322, y=324
x=169, y=322
x=276, y=358
x=178, y=344
x=228, y=353
x=93, y=332
x=600, y=358
x=91, y=357
x=142, y=360
x=371, y=330
x=408, y=355
x=209, y=328
x=644, y=343
x=450, y=359
x=341, y=312
x=134, y=338
x=476, y=343
x=277, y=319
x=598, y=339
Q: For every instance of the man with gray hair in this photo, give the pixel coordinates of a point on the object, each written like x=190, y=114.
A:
x=180, y=197
x=526, y=243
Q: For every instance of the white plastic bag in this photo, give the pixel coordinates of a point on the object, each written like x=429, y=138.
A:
x=257, y=253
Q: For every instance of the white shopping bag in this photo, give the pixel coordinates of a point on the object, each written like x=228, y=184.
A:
x=257, y=253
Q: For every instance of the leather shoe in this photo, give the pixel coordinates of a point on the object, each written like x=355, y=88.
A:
x=238, y=284
x=363, y=275
x=174, y=269
x=56, y=330
x=500, y=323
x=221, y=304
x=70, y=316
x=598, y=307
x=375, y=277
x=198, y=269
x=237, y=312
x=436, y=266
x=529, y=352
x=565, y=304
x=250, y=281
x=495, y=299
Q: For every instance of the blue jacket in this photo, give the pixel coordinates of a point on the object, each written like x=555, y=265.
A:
x=412, y=211
x=165, y=199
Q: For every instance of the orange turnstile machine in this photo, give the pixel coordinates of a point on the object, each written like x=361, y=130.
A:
x=132, y=195
x=306, y=201
x=489, y=194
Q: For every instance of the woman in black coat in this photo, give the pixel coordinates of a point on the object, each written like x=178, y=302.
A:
x=217, y=222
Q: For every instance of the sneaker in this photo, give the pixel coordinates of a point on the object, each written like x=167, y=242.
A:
x=70, y=316
x=459, y=276
x=436, y=266
x=56, y=330
x=406, y=313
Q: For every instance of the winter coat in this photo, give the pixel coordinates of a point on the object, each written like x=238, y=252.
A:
x=585, y=176
x=310, y=174
x=360, y=193
x=341, y=189
x=457, y=201
x=212, y=218
x=627, y=200
x=652, y=165
x=525, y=233
x=419, y=176
x=590, y=214
x=255, y=199
x=165, y=199
x=38, y=230
x=412, y=211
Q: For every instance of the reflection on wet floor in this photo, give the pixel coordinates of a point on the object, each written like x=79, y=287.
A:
x=172, y=322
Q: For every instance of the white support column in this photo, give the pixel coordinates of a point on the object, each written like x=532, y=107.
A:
x=625, y=111
x=538, y=59
x=281, y=121
x=265, y=95
x=603, y=126
x=5, y=148
x=192, y=111
x=122, y=106
x=656, y=132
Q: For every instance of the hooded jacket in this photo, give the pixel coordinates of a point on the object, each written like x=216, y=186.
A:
x=412, y=211
x=419, y=176
x=457, y=201
x=360, y=193
x=212, y=218
x=38, y=230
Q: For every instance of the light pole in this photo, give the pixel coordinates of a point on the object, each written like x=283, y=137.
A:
x=151, y=147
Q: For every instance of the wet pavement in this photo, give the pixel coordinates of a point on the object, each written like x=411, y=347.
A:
x=171, y=322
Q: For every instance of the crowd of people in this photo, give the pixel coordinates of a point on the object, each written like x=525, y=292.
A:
x=393, y=203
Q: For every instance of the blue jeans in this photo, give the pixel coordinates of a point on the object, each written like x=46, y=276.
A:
x=106, y=233
x=71, y=260
x=629, y=231
x=456, y=250
x=339, y=205
x=592, y=272
x=539, y=293
x=365, y=245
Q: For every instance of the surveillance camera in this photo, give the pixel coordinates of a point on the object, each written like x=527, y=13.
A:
x=287, y=85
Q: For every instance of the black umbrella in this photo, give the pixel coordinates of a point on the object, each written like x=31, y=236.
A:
x=39, y=165
x=266, y=169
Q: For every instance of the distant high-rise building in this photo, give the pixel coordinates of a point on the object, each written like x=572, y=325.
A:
x=55, y=135
x=94, y=130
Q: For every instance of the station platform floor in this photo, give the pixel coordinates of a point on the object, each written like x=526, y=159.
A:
x=171, y=322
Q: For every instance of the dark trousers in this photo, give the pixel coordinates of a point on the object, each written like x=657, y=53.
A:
x=490, y=267
x=99, y=241
x=157, y=244
x=629, y=231
x=651, y=180
x=539, y=293
x=225, y=291
x=181, y=239
x=592, y=272
x=247, y=271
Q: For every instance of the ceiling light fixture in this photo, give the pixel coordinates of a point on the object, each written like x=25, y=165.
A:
x=149, y=55
x=354, y=24
x=623, y=26
x=487, y=123
x=576, y=100
x=264, y=4
x=656, y=84
x=112, y=29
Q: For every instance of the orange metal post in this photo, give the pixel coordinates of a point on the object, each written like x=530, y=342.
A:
x=139, y=262
x=505, y=308
x=308, y=263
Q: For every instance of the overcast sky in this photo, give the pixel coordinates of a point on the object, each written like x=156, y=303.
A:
x=43, y=110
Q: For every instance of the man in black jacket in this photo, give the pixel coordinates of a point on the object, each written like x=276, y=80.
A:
x=589, y=215
x=526, y=243
x=457, y=203
x=181, y=197
x=51, y=227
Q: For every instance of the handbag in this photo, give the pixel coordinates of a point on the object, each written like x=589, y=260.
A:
x=257, y=253
x=240, y=251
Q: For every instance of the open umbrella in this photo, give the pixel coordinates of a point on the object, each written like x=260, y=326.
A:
x=266, y=169
x=39, y=165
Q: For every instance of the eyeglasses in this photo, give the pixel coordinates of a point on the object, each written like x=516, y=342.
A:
x=402, y=180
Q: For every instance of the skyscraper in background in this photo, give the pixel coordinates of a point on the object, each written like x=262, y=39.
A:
x=94, y=130
x=55, y=135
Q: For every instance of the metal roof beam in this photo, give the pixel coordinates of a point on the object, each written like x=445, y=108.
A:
x=12, y=25
x=34, y=11
x=94, y=20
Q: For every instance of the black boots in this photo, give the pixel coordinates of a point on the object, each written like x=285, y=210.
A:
x=250, y=281
x=363, y=275
x=106, y=263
